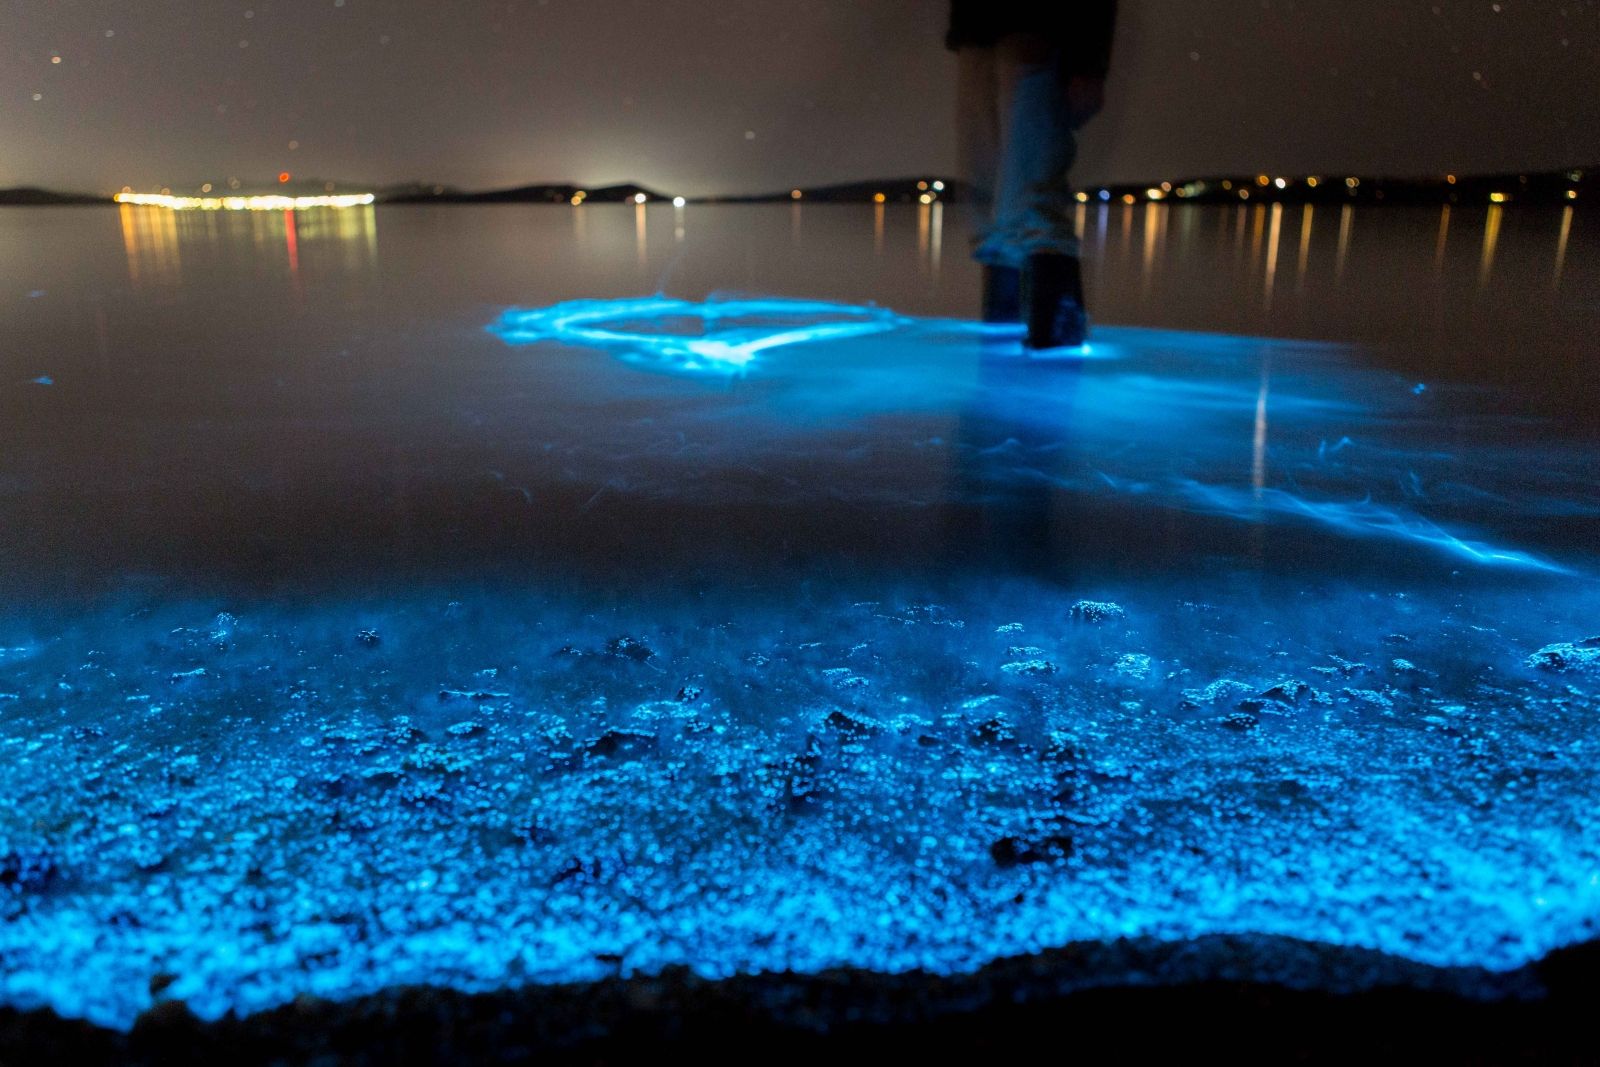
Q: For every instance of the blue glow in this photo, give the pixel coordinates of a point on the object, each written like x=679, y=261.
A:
x=1297, y=661
x=737, y=331
x=1121, y=420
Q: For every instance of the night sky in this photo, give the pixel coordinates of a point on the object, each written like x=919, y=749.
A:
x=753, y=95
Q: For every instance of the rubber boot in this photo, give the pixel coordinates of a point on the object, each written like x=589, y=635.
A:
x=1002, y=295
x=1052, y=300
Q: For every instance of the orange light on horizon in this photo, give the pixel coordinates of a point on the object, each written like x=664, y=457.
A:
x=283, y=178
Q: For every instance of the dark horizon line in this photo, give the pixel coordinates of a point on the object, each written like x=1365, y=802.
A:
x=1541, y=186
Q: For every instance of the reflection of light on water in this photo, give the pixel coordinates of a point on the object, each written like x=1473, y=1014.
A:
x=243, y=203
x=877, y=229
x=150, y=240
x=1152, y=226
x=1272, y=255
x=1444, y=233
x=1561, y=245
x=303, y=239
x=1346, y=215
x=1305, y=248
x=1491, y=237
x=1258, y=442
x=641, y=236
x=1258, y=220
x=936, y=242
x=291, y=241
x=737, y=330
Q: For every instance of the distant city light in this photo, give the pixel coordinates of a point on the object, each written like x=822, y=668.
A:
x=1154, y=194
x=1226, y=184
x=1105, y=194
x=922, y=186
x=638, y=198
x=243, y=203
x=1352, y=182
x=878, y=198
x=678, y=201
x=938, y=187
x=1082, y=196
x=1281, y=183
x=1498, y=198
x=1313, y=181
x=55, y=59
x=1244, y=194
x=283, y=178
x=1450, y=178
x=206, y=188
x=1128, y=198
x=1263, y=179
x=1572, y=194
x=795, y=194
x=926, y=198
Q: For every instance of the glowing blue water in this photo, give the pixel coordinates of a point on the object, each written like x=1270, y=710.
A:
x=757, y=635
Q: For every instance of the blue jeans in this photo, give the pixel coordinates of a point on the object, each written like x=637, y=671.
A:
x=1016, y=145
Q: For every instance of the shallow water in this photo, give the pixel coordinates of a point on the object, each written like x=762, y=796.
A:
x=368, y=621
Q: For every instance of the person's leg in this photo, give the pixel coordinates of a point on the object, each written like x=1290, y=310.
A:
x=1033, y=204
x=978, y=132
x=1033, y=225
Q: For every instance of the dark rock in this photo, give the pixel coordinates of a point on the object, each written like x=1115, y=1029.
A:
x=1241, y=720
x=619, y=740
x=1011, y=850
x=800, y=773
x=688, y=694
x=1287, y=692
x=27, y=870
x=854, y=725
x=368, y=638
x=994, y=731
x=629, y=648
